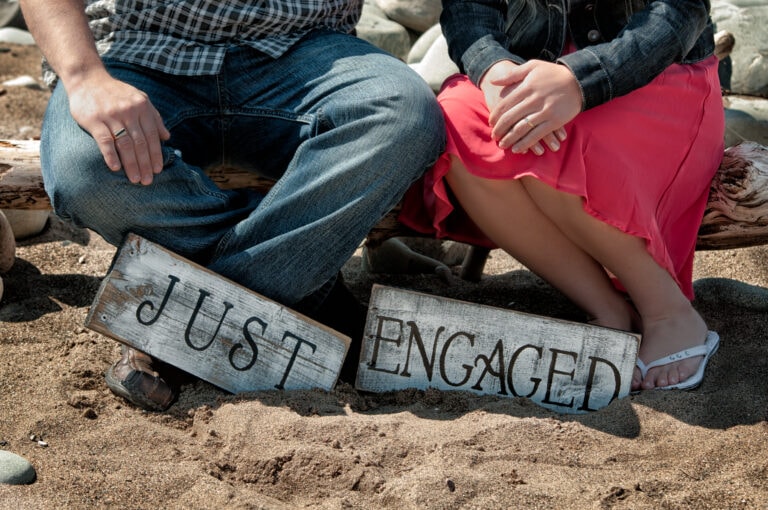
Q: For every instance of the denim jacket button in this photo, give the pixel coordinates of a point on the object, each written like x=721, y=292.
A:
x=593, y=35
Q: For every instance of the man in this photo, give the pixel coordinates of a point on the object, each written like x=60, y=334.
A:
x=149, y=93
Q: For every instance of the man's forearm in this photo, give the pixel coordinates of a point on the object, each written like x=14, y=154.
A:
x=60, y=29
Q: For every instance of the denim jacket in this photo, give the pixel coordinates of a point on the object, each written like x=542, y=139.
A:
x=625, y=43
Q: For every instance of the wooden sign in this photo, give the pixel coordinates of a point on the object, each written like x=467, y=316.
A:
x=196, y=320
x=414, y=340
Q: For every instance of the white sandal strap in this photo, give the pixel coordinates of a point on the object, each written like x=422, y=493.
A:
x=691, y=352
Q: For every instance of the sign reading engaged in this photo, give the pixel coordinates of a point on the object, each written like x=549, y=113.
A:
x=414, y=340
x=196, y=320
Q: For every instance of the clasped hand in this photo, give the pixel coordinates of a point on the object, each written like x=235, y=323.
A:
x=126, y=126
x=530, y=103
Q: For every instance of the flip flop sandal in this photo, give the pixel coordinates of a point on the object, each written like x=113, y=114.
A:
x=707, y=349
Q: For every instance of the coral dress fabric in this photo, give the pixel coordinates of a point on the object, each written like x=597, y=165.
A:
x=642, y=162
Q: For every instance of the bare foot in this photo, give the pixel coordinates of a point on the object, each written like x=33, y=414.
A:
x=666, y=335
x=623, y=317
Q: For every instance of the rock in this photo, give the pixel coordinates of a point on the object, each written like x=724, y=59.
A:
x=26, y=222
x=423, y=43
x=746, y=118
x=383, y=33
x=23, y=81
x=10, y=14
x=746, y=20
x=7, y=245
x=16, y=36
x=15, y=470
x=418, y=15
x=436, y=65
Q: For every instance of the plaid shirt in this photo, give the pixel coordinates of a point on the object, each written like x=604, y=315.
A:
x=191, y=37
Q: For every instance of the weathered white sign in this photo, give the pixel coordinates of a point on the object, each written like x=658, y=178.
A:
x=414, y=340
x=221, y=332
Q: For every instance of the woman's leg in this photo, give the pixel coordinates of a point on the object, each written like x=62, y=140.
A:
x=509, y=217
x=669, y=321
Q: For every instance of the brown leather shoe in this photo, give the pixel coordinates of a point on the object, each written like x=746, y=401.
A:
x=133, y=378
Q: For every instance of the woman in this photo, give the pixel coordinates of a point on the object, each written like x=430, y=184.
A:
x=582, y=139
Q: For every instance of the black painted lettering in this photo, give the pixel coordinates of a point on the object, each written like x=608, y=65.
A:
x=594, y=360
x=444, y=355
x=251, y=344
x=187, y=334
x=499, y=349
x=299, y=343
x=149, y=304
x=536, y=380
x=429, y=364
x=553, y=371
x=372, y=365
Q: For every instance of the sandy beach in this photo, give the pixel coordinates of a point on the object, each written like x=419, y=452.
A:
x=703, y=449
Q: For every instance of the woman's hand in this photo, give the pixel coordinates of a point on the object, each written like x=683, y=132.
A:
x=124, y=123
x=530, y=103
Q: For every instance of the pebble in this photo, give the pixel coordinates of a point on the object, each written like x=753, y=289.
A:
x=16, y=36
x=23, y=81
x=15, y=470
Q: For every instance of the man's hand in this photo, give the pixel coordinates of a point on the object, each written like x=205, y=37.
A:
x=125, y=125
x=530, y=103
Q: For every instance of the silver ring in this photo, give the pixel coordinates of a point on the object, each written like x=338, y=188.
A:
x=120, y=132
x=528, y=121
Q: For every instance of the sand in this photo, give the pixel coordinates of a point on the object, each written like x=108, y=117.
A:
x=346, y=449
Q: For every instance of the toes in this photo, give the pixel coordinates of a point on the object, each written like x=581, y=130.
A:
x=637, y=379
x=668, y=375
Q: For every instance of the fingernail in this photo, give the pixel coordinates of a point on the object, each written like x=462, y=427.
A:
x=538, y=150
x=554, y=146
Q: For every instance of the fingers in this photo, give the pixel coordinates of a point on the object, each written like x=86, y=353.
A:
x=139, y=149
x=126, y=126
x=527, y=135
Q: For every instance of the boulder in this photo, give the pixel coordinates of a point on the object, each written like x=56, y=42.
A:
x=377, y=29
x=746, y=20
x=7, y=245
x=417, y=15
x=436, y=65
x=26, y=222
x=746, y=118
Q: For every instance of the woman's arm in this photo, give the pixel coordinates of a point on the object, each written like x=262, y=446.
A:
x=474, y=30
x=656, y=37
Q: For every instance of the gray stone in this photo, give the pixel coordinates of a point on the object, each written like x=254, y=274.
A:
x=418, y=15
x=436, y=65
x=746, y=20
x=746, y=118
x=16, y=36
x=423, y=43
x=15, y=470
x=23, y=81
x=26, y=222
x=383, y=33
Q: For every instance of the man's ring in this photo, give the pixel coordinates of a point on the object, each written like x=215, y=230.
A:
x=120, y=132
x=528, y=121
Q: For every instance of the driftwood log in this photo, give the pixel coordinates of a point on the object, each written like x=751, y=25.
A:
x=736, y=215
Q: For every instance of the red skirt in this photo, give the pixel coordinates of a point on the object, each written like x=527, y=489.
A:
x=642, y=162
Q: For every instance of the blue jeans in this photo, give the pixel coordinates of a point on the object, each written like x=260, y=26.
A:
x=344, y=128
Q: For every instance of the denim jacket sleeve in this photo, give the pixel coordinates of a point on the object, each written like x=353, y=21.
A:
x=653, y=39
x=474, y=31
